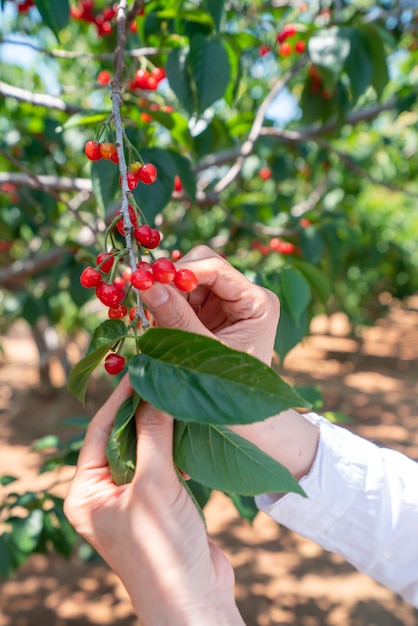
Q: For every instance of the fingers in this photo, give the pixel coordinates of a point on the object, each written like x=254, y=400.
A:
x=154, y=441
x=171, y=310
x=93, y=452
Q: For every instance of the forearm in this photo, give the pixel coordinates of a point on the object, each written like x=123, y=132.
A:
x=362, y=503
x=288, y=438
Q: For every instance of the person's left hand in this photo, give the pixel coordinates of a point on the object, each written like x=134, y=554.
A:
x=149, y=531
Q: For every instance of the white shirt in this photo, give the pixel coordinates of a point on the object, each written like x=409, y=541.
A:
x=362, y=504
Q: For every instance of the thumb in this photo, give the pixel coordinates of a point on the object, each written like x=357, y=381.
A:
x=171, y=310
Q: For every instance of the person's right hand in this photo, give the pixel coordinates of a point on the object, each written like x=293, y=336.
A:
x=225, y=305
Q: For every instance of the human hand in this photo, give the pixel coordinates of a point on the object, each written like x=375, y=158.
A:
x=225, y=305
x=149, y=531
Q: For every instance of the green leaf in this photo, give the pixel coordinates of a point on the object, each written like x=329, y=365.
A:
x=187, y=14
x=221, y=459
x=313, y=395
x=7, y=480
x=177, y=125
x=216, y=8
x=289, y=333
x=210, y=67
x=198, y=379
x=83, y=119
x=245, y=506
x=121, y=445
x=105, y=182
x=179, y=78
x=6, y=562
x=358, y=64
x=47, y=442
x=104, y=337
x=25, y=531
x=295, y=290
x=60, y=532
x=380, y=76
x=200, y=492
x=318, y=281
x=54, y=14
x=329, y=49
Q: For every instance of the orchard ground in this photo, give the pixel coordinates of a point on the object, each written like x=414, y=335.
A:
x=282, y=579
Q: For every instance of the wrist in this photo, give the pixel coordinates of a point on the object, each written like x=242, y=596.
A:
x=288, y=438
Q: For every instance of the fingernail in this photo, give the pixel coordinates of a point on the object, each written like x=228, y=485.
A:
x=156, y=296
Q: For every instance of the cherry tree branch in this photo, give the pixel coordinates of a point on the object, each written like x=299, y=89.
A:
x=70, y=54
x=40, y=99
x=47, y=182
x=20, y=270
x=121, y=21
x=248, y=145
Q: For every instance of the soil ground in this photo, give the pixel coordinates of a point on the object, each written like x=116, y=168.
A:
x=281, y=578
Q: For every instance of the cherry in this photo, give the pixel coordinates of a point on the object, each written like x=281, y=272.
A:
x=119, y=282
x=117, y=312
x=265, y=173
x=156, y=238
x=104, y=78
x=92, y=151
x=178, y=186
x=107, y=265
x=147, y=174
x=109, y=295
x=164, y=270
x=135, y=166
x=263, y=50
x=176, y=255
x=114, y=363
x=285, y=49
x=300, y=46
x=132, y=179
x=90, y=277
x=185, y=280
x=141, y=79
x=158, y=73
x=120, y=223
x=107, y=150
x=142, y=279
x=143, y=265
x=143, y=235
x=146, y=118
x=152, y=83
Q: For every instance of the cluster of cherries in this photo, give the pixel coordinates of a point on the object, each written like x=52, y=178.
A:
x=84, y=11
x=113, y=290
x=285, y=48
x=275, y=245
x=138, y=172
x=23, y=6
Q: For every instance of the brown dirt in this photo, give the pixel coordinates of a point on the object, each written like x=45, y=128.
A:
x=281, y=578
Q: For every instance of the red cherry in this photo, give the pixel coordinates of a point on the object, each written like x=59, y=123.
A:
x=109, y=13
x=164, y=270
x=146, y=118
x=142, y=279
x=90, y=277
x=119, y=282
x=92, y=151
x=265, y=173
x=263, y=50
x=104, y=78
x=185, y=280
x=152, y=83
x=155, y=241
x=109, y=295
x=176, y=255
x=120, y=223
x=107, y=265
x=178, y=186
x=132, y=179
x=158, y=73
x=114, y=363
x=147, y=174
x=300, y=46
x=141, y=79
x=143, y=235
x=143, y=265
x=117, y=312
x=115, y=156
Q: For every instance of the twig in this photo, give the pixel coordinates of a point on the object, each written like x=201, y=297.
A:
x=48, y=182
x=116, y=104
x=254, y=133
x=69, y=54
x=18, y=271
x=40, y=99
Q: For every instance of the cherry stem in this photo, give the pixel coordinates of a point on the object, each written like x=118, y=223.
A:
x=119, y=131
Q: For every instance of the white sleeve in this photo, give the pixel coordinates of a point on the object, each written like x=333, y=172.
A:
x=362, y=504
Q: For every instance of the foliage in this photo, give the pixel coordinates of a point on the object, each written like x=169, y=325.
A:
x=283, y=136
